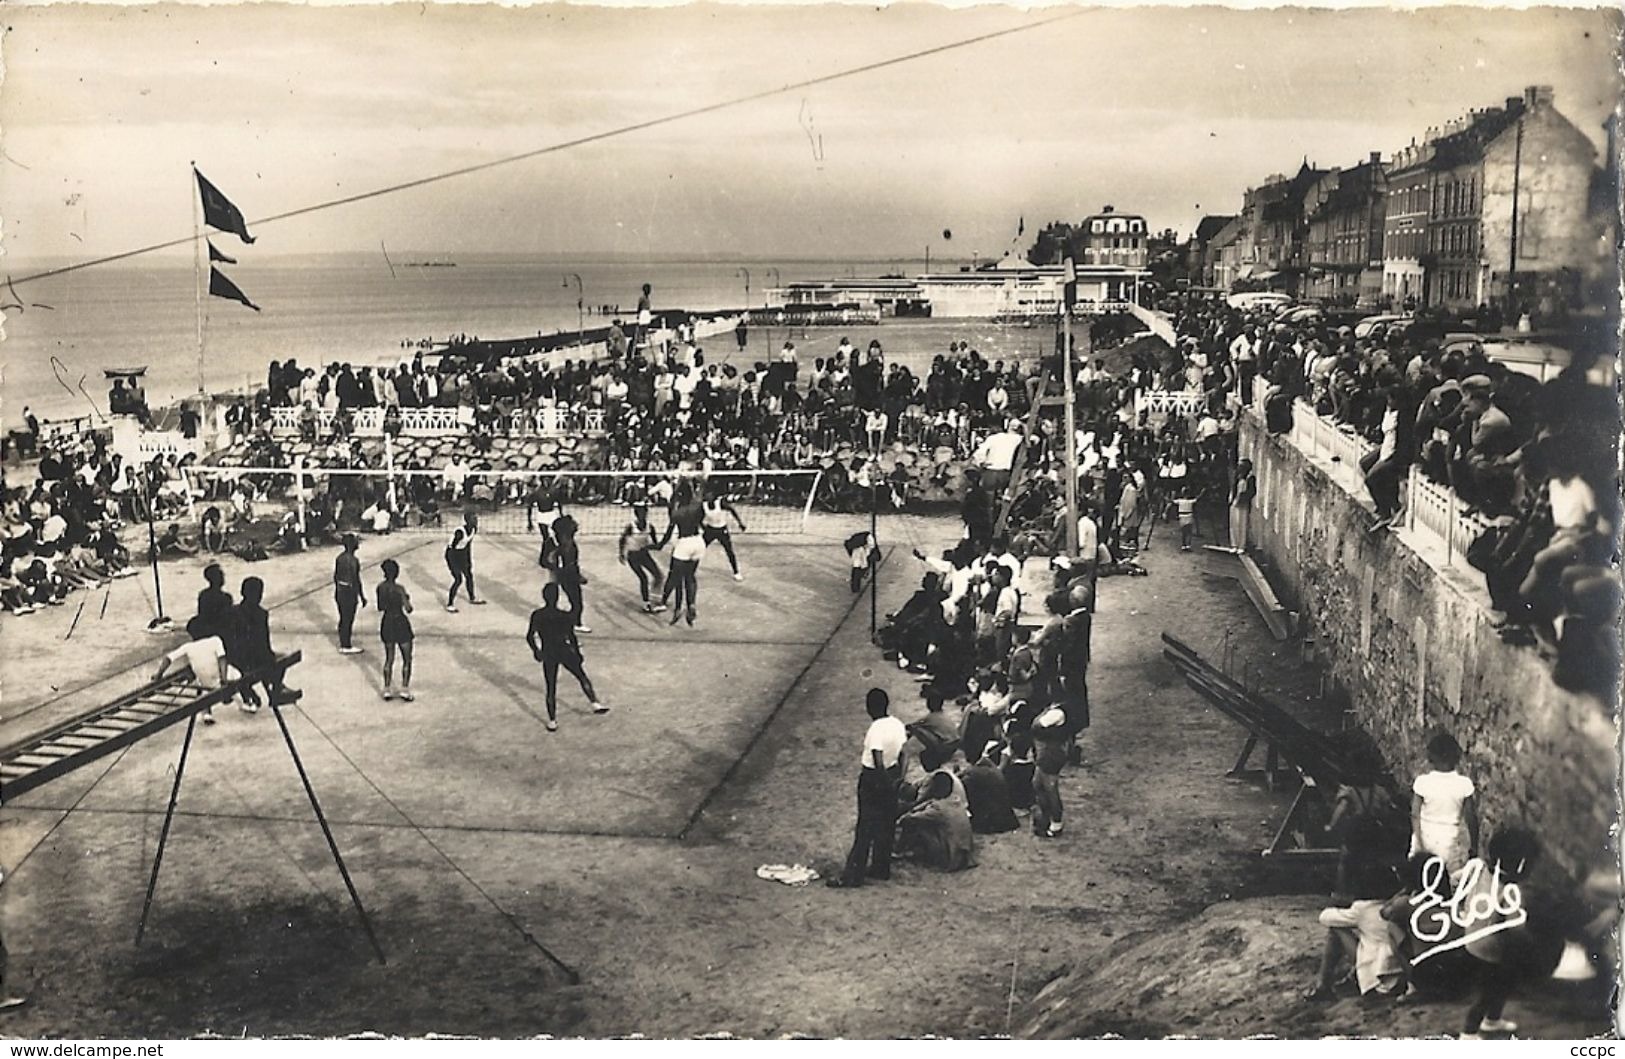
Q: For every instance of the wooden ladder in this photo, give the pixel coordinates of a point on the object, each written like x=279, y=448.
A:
x=1019, y=466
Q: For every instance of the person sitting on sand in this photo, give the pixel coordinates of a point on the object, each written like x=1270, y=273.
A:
x=212, y=530
x=936, y=831
x=987, y=797
x=1363, y=935
x=934, y=738
x=171, y=544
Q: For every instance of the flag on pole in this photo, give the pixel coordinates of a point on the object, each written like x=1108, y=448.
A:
x=1021, y=227
x=221, y=287
x=219, y=211
x=215, y=255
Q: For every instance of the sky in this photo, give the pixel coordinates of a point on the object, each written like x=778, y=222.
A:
x=1167, y=112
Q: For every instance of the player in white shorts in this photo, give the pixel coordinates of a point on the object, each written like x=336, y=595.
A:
x=714, y=527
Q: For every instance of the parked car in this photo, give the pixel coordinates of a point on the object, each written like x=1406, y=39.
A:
x=1377, y=326
x=1300, y=314
x=1259, y=299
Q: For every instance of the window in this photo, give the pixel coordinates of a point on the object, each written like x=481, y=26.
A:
x=1098, y=226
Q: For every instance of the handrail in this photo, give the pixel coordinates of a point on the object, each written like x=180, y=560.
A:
x=1432, y=509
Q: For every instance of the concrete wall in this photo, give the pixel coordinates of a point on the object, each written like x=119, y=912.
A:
x=1411, y=643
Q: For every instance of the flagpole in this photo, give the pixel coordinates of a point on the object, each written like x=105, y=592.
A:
x=197, y=270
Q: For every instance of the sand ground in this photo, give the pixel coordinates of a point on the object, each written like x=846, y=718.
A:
x=599, y=880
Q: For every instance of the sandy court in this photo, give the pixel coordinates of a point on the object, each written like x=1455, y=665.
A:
x=496, y=859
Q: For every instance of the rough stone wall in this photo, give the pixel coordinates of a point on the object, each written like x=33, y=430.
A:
x=1412, y=645
x=523, y=454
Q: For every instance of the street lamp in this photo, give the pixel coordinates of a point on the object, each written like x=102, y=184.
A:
x=778, y=281
x=743, y=271
x=581, y=298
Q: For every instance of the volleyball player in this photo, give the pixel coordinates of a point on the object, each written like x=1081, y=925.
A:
x=687, y=516
x=637, y=541
x=714, y=526
x=565, y=564
x=395, y=629
x=553, y=643
x=460, y=559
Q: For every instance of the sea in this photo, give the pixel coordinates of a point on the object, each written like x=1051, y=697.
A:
x=325, y=308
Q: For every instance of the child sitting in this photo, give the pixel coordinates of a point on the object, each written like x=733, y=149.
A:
x=212, y=530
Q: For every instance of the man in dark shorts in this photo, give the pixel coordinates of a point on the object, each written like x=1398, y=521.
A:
x=552, y=640
x=460, y=560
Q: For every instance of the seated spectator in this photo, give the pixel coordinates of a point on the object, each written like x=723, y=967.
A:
x=1361, y=934
x=935, y=737
x=988, y=798
x=936, y=830
x=250, y=650
x=171, y=544
x=212, y=531
x=1018, y=766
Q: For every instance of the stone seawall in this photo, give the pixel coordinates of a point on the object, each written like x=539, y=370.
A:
x=1410, y=641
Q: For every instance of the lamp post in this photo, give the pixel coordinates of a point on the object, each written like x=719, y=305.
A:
x=743, y=271
x=581, y=301
x=777, y=281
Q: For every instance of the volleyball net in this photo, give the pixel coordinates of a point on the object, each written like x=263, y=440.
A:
x=328, y=500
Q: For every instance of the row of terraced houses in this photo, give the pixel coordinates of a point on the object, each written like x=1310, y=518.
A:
x=1505, y=206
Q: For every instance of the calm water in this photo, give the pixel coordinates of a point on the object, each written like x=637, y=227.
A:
x=324, y=309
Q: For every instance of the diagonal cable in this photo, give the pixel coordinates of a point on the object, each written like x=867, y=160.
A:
x=580, y=141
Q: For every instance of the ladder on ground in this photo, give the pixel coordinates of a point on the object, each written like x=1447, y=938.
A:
x=1029, y=430
x=160, y=704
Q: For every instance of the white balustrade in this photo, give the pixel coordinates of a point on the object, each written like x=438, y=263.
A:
x=1432, y=510
x=1188, y=403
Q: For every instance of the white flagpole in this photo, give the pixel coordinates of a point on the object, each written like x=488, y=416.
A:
x=197, y=270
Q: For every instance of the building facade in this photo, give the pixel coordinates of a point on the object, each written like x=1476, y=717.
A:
x=1274, y=246
x=1346, y=210
x=1407, y=202
x=1112, y=238
x=1545, y=163
x=1510, y=218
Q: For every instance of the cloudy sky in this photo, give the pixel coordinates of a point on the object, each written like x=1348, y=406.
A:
x=1170, y=112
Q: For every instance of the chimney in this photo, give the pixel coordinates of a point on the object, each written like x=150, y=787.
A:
x=1537, y=96
x=1376, y=158
x=1106, y=209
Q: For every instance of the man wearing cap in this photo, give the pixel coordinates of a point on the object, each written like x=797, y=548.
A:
x=878, y=780
x=348, y=592
x=1481, y=473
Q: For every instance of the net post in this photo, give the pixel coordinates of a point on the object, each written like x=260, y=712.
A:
x=806, y=510
x=299, y=496
x=389, y=470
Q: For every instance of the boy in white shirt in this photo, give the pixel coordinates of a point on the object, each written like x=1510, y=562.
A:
x=1444, y=801
x=206, y=658
x=870, y=857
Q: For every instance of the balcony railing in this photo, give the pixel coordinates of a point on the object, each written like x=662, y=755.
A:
x=1432, y=512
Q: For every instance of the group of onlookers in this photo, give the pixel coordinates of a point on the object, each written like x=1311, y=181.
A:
x=1427, y=910
x=1538, y=460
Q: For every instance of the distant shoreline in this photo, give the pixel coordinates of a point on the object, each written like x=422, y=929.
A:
x=182, y=258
